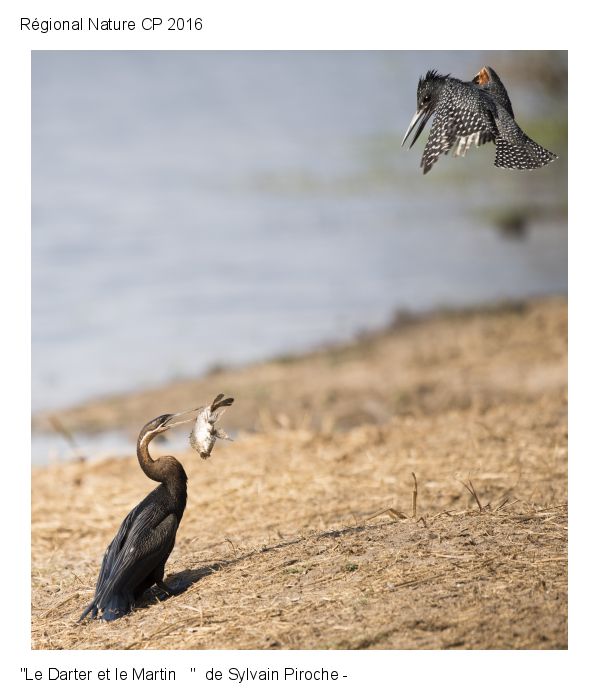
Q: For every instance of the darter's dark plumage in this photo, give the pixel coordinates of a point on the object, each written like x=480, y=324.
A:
x=472, y=113
x=135, y=559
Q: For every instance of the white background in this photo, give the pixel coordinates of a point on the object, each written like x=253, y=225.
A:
x=311, y=25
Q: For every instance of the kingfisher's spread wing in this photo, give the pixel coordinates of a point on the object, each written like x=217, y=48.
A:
x=453, y=123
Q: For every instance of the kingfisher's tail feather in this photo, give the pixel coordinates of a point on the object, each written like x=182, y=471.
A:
x=526, y=155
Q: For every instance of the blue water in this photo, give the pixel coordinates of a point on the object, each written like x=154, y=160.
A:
x=202, y=208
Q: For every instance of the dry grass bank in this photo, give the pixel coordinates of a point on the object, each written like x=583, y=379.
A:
x=277, y=548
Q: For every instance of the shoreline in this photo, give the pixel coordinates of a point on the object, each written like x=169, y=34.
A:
x=126, y=411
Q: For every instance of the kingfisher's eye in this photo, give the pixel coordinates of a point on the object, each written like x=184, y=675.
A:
x=426, y=98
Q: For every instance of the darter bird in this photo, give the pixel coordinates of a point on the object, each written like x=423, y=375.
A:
x=472, y=113
x=135, y=560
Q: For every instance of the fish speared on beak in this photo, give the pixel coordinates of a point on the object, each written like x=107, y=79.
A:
x=420, y=114
x=204, y=433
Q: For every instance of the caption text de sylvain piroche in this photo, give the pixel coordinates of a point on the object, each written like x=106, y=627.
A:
x=110, y=24
x=237, y=675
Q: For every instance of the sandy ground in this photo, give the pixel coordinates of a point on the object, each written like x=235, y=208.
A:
x=301, y=534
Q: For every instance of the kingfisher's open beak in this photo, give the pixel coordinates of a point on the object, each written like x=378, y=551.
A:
x=422, y=115
x=172, y=422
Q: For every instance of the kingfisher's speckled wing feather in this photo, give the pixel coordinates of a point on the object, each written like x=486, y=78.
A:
x=455, y=121
x=514, y=149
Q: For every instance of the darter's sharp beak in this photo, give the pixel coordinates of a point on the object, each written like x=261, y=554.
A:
x=420, y=114
x=172, y=421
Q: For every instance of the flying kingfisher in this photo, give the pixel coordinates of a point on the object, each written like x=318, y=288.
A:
x=472, y=113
